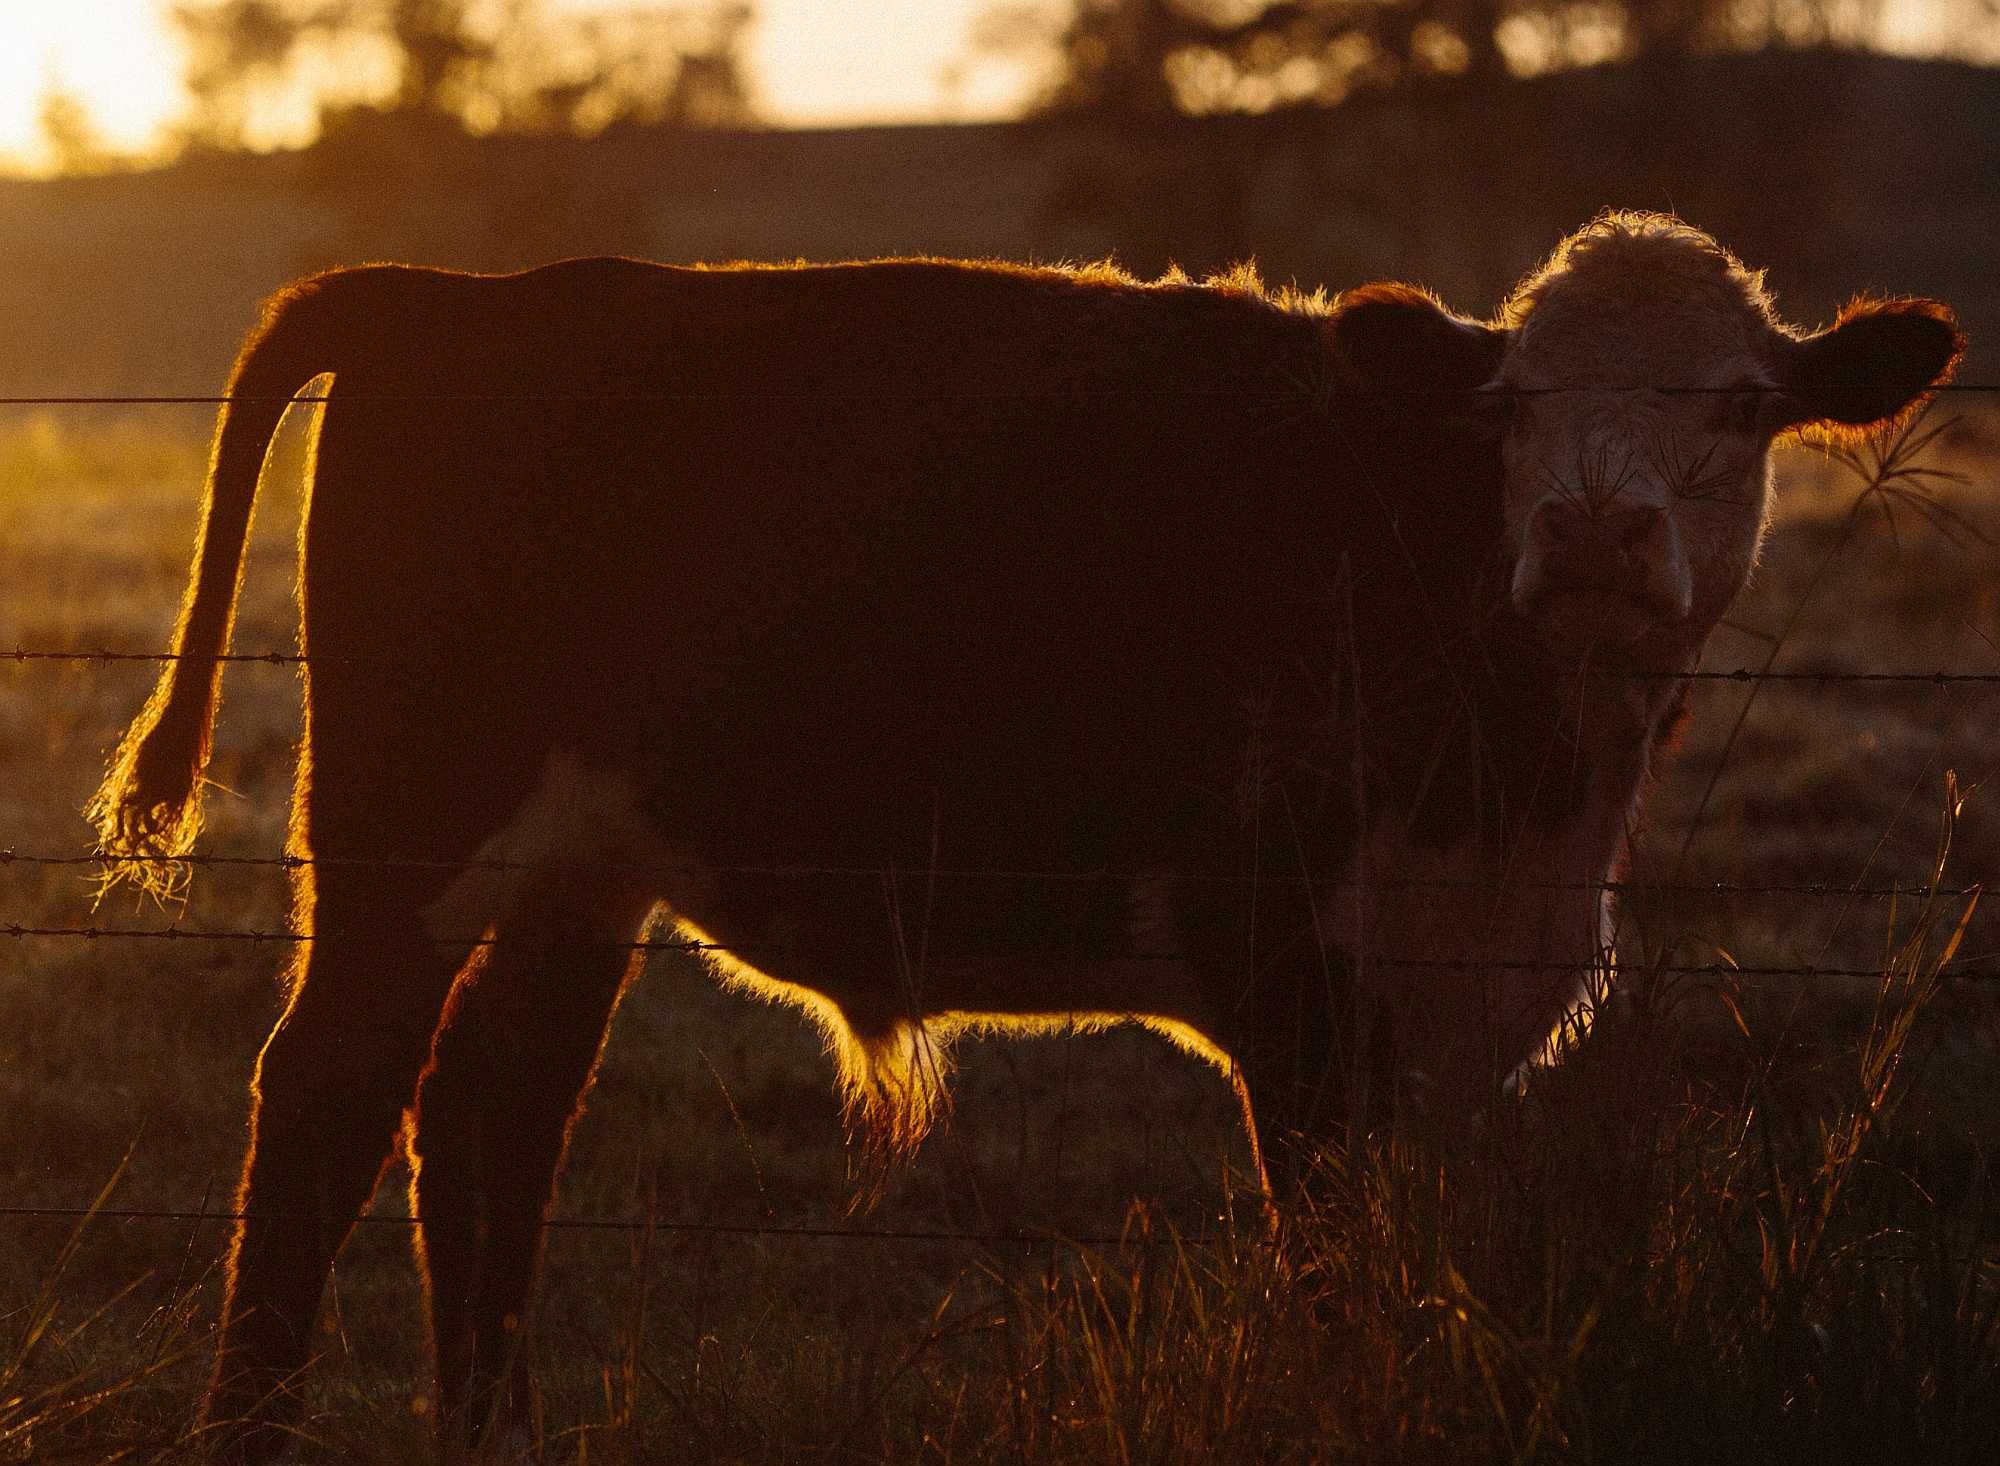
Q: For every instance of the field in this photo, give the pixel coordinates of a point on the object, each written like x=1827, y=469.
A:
x=1751, y=1220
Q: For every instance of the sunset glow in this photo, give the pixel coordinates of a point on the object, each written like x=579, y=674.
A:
x=812, y=62
x=118, y=57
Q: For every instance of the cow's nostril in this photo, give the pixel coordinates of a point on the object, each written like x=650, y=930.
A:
x=1625, y=554
x=1565, y=532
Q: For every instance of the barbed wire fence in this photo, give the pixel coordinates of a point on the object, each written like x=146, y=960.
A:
x=1972, y=969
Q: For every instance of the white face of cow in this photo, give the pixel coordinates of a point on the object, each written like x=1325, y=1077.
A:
x=1633, y=512
x=1646, y=378
x=1642, y=377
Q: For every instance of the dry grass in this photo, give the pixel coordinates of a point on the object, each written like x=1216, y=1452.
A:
x=1749, y=1221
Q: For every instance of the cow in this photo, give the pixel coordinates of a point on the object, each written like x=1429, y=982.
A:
x=944, y=645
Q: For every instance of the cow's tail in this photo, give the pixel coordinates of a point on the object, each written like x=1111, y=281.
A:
x=148, y=810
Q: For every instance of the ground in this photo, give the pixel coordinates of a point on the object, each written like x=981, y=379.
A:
x=1754, y=1211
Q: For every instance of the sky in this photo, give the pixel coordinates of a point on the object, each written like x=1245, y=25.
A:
x=812, y=61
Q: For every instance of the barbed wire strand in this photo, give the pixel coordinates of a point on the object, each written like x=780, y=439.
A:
x=806, y=1230
x=1939, y=678
x=285, y=936
x=1025, y=394
x=497, y=865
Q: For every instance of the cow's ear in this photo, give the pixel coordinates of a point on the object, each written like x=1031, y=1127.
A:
x=1877, y=360
x=1399, y=338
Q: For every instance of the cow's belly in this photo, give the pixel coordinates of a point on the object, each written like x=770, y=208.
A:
x=885, y=946
x=1480, y=960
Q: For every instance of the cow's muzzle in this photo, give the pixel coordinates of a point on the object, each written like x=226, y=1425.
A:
x=1602, y=574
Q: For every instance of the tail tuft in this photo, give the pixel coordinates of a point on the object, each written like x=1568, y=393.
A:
x=147, y=812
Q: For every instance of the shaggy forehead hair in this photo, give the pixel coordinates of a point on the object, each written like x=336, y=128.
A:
x=1629, y=280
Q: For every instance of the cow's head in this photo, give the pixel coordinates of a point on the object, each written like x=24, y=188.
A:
x=1637, y=381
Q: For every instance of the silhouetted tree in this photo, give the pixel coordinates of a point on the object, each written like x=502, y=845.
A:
x=68, y=132
x=680, y=67
x=1148, y=57
x=239, y=48
x=442, y=55
x=503, y=65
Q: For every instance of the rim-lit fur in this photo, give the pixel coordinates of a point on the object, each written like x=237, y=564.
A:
x=947, y=647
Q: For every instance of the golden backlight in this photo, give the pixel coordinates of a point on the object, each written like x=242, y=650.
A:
x=812, y=62
x=118, y=57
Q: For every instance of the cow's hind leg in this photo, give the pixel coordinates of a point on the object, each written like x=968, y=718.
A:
x=512, y=1060
x=330, y=1086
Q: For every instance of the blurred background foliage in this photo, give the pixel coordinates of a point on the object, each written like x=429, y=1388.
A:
x=511, y=66
x=1141, y=58
x=515, y=65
